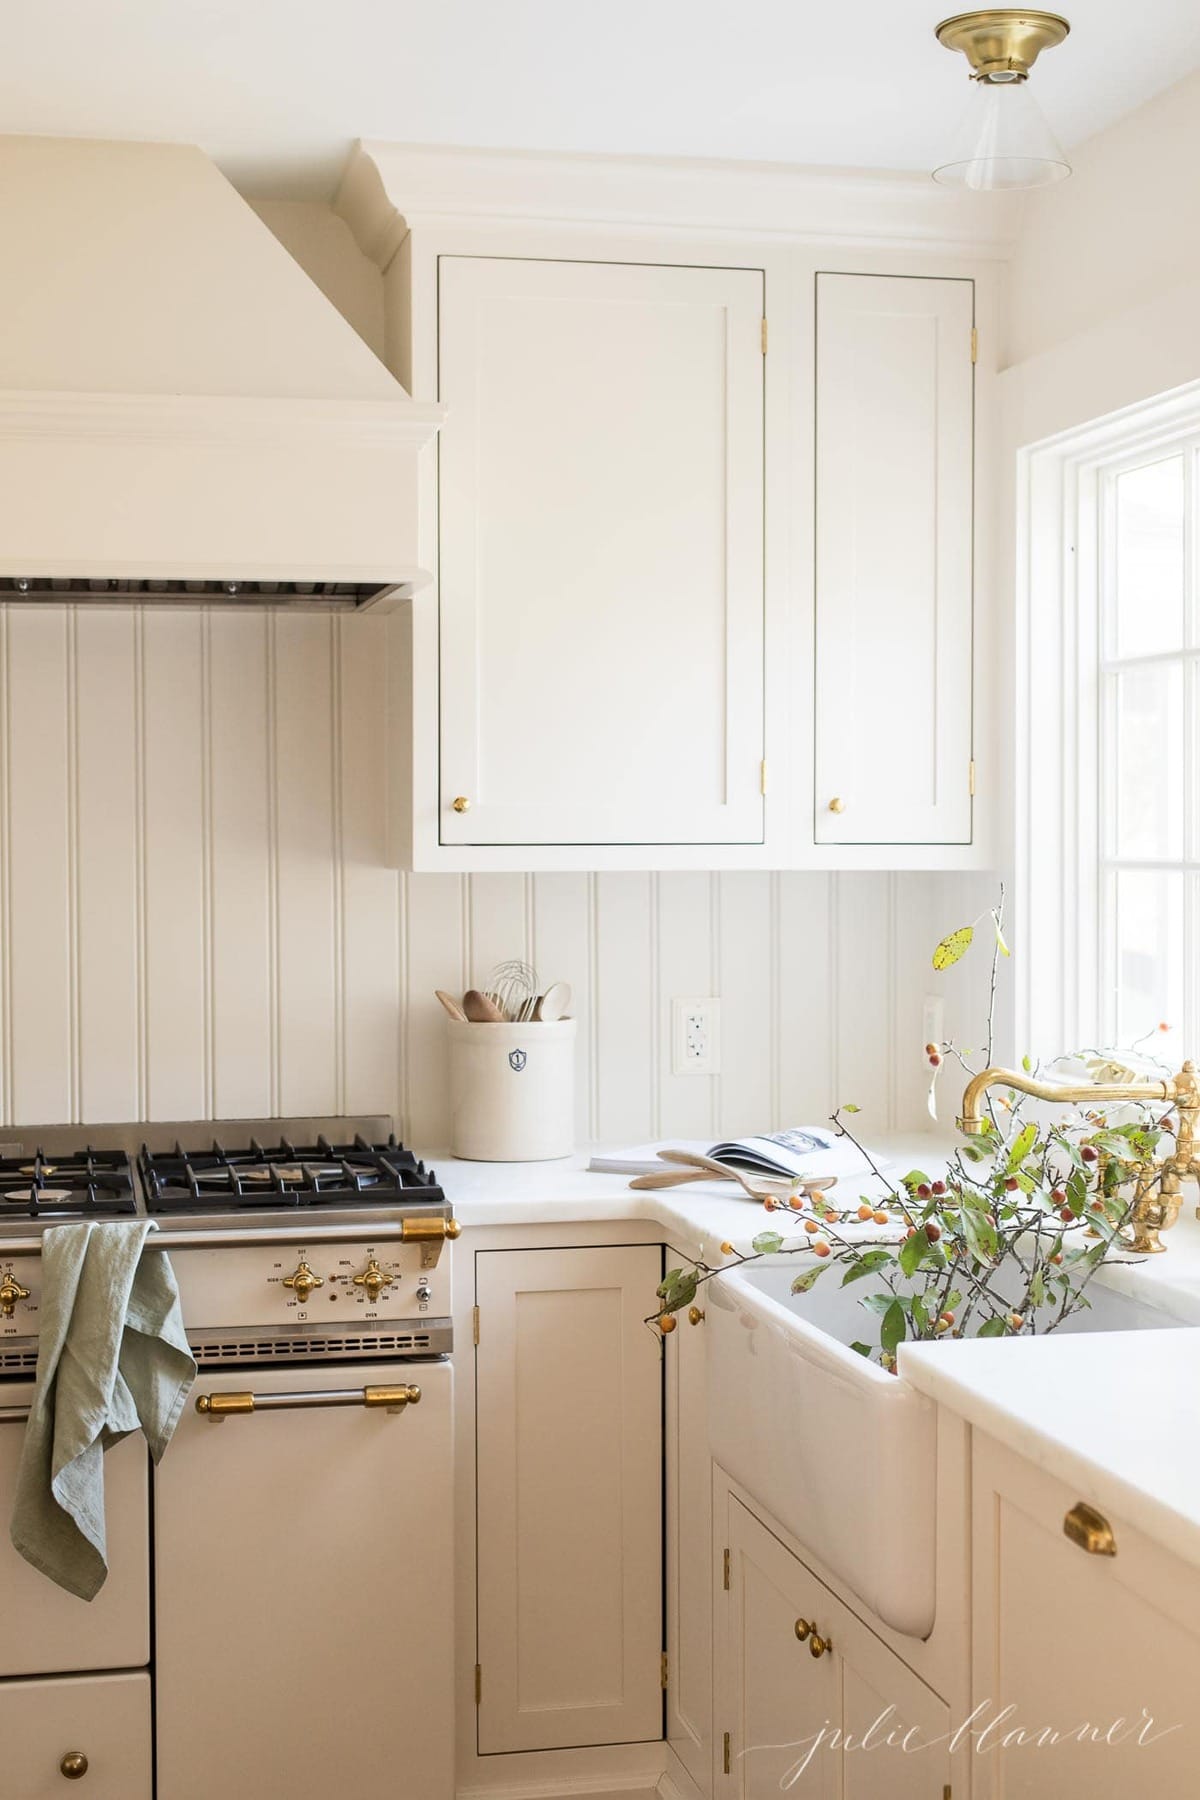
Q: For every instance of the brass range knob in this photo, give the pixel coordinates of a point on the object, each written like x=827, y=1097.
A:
x=837, y=804
x=375, y=1280
x=74, y=1765
x=461, y=804
x=302, y=1281
x=10, y=1292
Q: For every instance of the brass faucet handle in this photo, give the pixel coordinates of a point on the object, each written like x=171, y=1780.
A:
x=302, y=1281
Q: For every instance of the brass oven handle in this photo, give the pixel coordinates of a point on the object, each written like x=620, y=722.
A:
x=431, y=1234
x=219, y=1407
x=1090, y=1530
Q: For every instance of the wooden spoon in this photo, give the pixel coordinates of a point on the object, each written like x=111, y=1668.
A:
x=451, y=1005
x=479, y=1009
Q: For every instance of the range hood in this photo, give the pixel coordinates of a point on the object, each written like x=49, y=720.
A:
x=184, y=417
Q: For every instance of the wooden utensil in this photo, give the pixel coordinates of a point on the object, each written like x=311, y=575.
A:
x=480, y=1009
x=554, y=1004
x=451, y=1005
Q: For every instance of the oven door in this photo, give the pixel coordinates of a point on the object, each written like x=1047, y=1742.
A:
x=46, y=1630
x=304, y=1590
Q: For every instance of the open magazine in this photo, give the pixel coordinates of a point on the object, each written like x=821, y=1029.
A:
x=804, y=1151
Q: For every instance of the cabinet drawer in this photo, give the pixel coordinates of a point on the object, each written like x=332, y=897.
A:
x=105, y=1718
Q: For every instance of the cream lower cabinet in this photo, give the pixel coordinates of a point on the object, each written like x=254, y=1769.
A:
x=93, y=1728
x=689, y=1549
x=569, y=1498
x=1085, y=1665
x=850, y=1723
x=601, y=511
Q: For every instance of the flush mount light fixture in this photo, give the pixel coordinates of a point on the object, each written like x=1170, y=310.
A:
x=1004, y=141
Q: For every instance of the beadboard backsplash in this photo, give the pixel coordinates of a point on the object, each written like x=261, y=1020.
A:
x=197, y=918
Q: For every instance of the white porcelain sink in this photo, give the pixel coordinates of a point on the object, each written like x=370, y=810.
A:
x=840, y=1452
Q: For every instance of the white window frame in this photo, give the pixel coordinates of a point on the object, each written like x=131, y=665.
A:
x=1062, y=981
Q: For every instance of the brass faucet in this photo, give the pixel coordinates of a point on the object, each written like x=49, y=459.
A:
x=1157, y=1196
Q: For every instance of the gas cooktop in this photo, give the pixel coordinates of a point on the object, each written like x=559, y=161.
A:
x=285, y=1175
x=82, y=1184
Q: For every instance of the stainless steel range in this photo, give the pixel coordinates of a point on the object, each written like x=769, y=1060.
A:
x=302, y=1543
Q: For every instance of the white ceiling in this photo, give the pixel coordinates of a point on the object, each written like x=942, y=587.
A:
x=277, y=89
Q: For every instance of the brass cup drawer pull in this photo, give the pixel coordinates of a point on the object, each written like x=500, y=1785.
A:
x=1090, y=1530
x=74, y=1765
x=219, y=1407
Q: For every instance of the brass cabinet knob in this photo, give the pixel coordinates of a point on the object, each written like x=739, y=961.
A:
x=302, y=1281
x=695, y=1314
x=1090, y=1530
x=374, y=1279
x=461, y=804
x=74, y=1765
x=837, y=804
x=10, y=1292
x=802, y=1629
x=819, y=1645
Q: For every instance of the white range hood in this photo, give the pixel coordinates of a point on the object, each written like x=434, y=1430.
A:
x=184, y=417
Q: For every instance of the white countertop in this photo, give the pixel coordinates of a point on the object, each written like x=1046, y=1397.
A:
x=1109, y=1413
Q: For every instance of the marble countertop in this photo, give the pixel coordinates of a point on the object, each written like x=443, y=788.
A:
x=1107, y=1412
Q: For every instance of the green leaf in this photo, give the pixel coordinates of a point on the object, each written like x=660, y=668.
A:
x=915, y=1178
x=866, y=1264
x=994, y=1328
x=893, y=1327
x=876, y=1303
x=954, y=947
x=1000, y=943
x=681, y=1293
x=1027, y=1063
x=863, y=1349
x=668, y=1282
x=1037, y=1288
x=920, y=1316
x=808, y=1279
x=850, y=1107
x=1022, y=1145
x=767, y=1243
x=911, y=1252
x=980, y=1234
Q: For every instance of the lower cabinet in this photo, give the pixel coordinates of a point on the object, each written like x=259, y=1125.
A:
x=93, y=1727
x=809, y=1702
x=569, y=1497
x=1087, y=1647
x=689, y=1548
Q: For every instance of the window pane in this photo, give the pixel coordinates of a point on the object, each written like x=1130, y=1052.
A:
x=1148, y=963
x=1146, y=762
x=1149, y=587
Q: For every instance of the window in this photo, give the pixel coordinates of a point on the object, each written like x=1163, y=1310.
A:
x=1108, y=707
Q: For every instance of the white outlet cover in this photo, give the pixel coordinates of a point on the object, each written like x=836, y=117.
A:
x=696, y=1036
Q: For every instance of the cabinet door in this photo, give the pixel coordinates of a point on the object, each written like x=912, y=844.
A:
x=1101, y=1653
x=601, y=561
x=853, y=1723
x=689, y=1551
x=103, y=1719
x=894, y=528
x=569, y=1445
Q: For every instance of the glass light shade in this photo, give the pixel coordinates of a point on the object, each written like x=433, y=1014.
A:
x=1003, y=141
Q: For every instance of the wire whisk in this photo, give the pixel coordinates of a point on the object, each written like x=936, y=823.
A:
x=514, y=988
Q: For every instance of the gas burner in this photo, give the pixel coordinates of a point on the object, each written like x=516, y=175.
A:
x=86, y=1184
x=260, y=1178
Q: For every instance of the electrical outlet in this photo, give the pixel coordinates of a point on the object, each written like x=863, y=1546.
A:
x=696, y=1037
x=933, y=1021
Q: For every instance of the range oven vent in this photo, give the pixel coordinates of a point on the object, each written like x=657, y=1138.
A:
x=296, y=596
x=211, y=1349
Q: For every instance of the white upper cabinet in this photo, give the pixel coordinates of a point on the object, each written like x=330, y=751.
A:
x=894, y=555
x=601, y=554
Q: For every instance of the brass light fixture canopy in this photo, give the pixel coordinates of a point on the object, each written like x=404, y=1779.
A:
x=1002, y=44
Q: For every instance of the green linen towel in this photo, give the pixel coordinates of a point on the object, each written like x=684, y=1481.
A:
x=113, y=1357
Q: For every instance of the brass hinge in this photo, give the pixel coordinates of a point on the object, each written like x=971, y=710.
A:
x=662, y=1669
x=475, y=1324
x=970, y=783
x=762, y=776
x=725, y=1572
x=478, y=1684
x=725, y=1756
x=763, y=338
x=974, y=345
x=947, y=1793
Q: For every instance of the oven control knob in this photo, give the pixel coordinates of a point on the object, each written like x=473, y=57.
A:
x=375, y=1280
x=302, y=1281
x=10, y=1292
x=423, y=1291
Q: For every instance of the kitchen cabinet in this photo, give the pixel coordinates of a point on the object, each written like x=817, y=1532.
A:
x=568, y=1497
x=807, y=1698
x=894, y=555
x=303, y=1626
x=1101, y=1649
x=600, y=547
x=689, y=1548
x=94, y=1728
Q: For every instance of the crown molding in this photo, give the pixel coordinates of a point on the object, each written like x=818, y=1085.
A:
x=218, y=420
x=389, y=189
